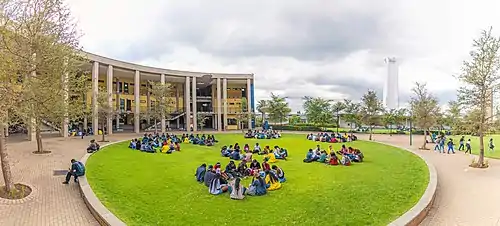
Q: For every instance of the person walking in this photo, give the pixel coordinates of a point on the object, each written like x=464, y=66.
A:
x=467, y=145
x=491, y=145
x=450, y=146
x=461, y=142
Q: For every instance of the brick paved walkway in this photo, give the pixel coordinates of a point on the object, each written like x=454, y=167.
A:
x=53, y=203
x=465, y=196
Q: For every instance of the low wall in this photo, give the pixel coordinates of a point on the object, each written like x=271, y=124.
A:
x=98, y=210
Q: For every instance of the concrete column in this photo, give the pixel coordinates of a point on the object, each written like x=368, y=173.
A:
x=187, y=102
x=163, y=121
x=137, y=101
x=148, y=103
x=95, y=92
x=219, y=106
x=249, y=104
x=118, y=111
x=195, y=112
x=224, y=101
x=109, y=85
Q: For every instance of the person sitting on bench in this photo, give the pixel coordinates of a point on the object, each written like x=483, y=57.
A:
x=93, y=146
x=77, y=170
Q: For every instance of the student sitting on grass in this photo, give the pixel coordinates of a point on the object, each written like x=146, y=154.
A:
x=272, y=181
x=248, y=156
x=246, y=148
x=218, y=185
x=237, y=189
x=257, y=187
x=265, y=165
x=334, y=160
x=346, y=161
x=133, y=144
x=279, y=173
x=235, y=155
x=280, y=153
x=177, y=146
x=243, y=169
x=254, y=167
x=200, y=172
x=322, y=157
x=231, y=170
x=224, y=151
x=309, y=156
x=256, y=149
x=209, y=175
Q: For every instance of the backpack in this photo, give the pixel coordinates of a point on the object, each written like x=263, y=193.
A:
x=80, y=168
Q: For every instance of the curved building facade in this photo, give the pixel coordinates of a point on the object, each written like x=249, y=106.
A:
x=217, y=97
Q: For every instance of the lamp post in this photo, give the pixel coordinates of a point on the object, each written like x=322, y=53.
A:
x=338, y=122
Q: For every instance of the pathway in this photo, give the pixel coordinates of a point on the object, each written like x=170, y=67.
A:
x=53, y=203
x=465, y=196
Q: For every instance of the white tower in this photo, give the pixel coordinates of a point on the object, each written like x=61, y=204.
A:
x=391, y=87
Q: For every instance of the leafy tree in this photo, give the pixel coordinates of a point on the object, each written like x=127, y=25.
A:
x=10, y=96
x=262, y=108
x=337, y=107
x=317, y=110
x=401, y=117
x=371, y=109
x=161, y=106
x=390, y=118
x=482, y=80
x=277, y=108
x=351, y=113
x=453, y=116
x=41, y=40
x=294, y=119
x=202, y=119
x=425, y=109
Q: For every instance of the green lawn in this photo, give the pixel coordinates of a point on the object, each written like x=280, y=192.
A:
x=160, y=189
x=474, y=140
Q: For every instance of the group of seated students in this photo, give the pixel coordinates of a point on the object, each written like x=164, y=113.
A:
x=234, y=152
x=348, y=155
x=207, y=140
x=332, y=138
x=165, y=143
x=262, y=134
x=264, y=178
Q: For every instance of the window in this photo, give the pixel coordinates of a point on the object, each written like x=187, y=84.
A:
x=232, y=121
x=120, y=87
x=125, y=87
x=129, y=104
x=122, y=104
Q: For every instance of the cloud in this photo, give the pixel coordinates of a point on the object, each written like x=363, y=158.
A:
x=333, y=49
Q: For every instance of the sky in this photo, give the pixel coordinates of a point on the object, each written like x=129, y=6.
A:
x=333, y=49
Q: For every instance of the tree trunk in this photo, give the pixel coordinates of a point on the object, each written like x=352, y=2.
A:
x=424, y=146
x=480, y=160
x=390, y=130
x=7, y=175
x=371, y=131
x=103, y=133
x=156, y=126
x=38, y=134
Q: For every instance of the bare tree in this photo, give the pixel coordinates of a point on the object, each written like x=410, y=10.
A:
x=105, y=111
x=425, y=110
x=482, y=80
x=371, y=109
x=41, y=39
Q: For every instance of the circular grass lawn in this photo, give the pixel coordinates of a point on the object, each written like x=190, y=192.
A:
x=160, y=189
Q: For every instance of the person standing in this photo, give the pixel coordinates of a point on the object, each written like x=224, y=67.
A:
x=467, y=145
x=77, y=170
